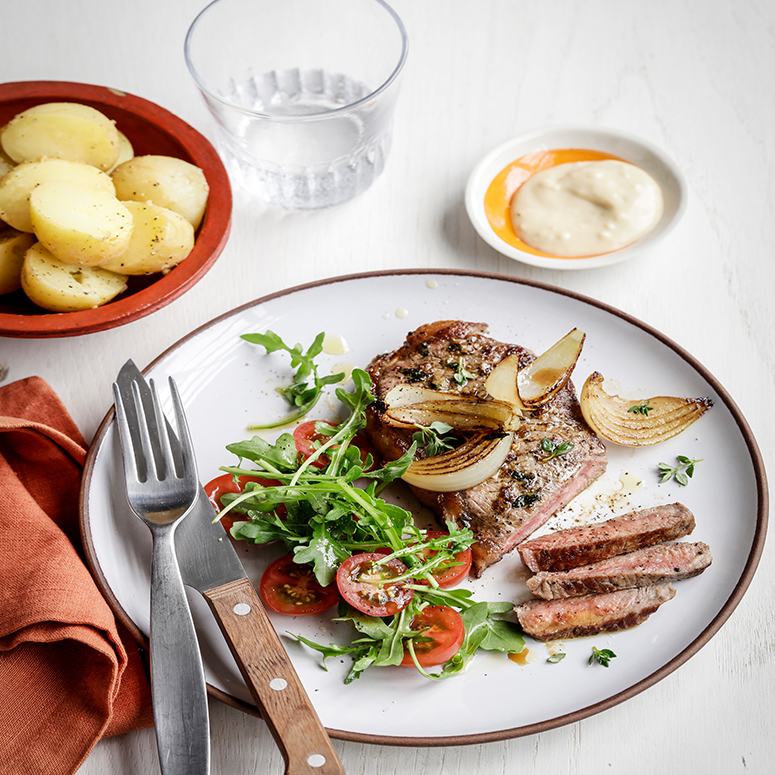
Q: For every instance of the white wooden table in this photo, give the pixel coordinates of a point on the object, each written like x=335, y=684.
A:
x=694, y=76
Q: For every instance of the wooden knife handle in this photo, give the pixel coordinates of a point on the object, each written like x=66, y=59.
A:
x=274, y=684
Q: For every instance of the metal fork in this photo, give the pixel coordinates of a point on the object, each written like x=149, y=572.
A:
x=161, y=486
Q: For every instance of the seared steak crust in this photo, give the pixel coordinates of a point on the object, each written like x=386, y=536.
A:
x=591, y=614
x=641, y=568
x=581, y=545
x=530, y=486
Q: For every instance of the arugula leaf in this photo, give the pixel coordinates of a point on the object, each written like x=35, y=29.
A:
x=307, y=386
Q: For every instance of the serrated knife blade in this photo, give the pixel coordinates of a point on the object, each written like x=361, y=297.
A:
x=209, y=564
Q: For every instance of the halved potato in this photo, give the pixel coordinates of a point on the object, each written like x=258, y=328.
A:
x=125, y=152
x=165, y=181
x=80, y=225
x=13, y=245
x=549, y=372
x=17, y=186
x=60, y=287
x=638, y=423
x=62, y=130
x=160, y=240
x=6, y=162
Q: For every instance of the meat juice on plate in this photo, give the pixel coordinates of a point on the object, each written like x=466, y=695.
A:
x=307, y=150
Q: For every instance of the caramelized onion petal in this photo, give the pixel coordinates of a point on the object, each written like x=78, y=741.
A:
x=501, y=382
x=614, y=419
x=550, y=371
x=461, y=468
x=409, y=406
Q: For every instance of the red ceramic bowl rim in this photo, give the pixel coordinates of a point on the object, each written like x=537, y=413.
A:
x=211, y=237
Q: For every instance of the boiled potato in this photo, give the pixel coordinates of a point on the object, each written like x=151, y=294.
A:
x=60, y=287
x=17, y=185
x=161, y=239
x=62, y=130
x=6, y=162
x=80, y=225
x=126, y=151
x=165, y=181
x=13, y=245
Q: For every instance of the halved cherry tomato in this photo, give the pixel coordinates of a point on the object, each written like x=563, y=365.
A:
x=364, y=582
x=449, y=575
x=291, y=588
x=223, y=484
x=444, y=626
x=308, y=439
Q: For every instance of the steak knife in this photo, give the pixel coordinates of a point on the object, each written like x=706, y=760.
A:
x=209, y=564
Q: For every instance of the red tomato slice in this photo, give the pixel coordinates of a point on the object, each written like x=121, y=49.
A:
x=455, y=572
x=357, y=579
x=290, y=588
x=223, y=484
x=308, y=439
x=445, y=628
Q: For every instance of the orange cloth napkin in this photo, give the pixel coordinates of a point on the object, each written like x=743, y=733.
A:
x=70, y=674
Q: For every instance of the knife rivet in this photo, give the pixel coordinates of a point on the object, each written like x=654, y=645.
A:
x=278, y=684
x=316, y=760
x=241, y=609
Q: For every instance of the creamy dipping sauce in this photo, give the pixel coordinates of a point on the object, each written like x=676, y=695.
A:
x=586, y=208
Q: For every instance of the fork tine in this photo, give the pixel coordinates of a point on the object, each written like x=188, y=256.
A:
x=186, y=446
x=165, y=463
x=149, y=447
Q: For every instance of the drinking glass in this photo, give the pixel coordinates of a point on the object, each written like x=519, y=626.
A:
x=302, y=93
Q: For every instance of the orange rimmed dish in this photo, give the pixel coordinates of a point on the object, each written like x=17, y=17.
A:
x=497, y=177
x=152, y=130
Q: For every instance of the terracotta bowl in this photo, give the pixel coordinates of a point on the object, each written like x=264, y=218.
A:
x=151, y=130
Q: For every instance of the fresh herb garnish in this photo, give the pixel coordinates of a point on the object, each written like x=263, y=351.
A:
x=601, y=656
x=301, y=393
x=681, y=473
x=553, y=449
x=558, y=657
x=435, y=438
x=462, y=375
x=642, y=408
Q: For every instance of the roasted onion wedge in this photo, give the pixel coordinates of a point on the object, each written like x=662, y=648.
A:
x=501, y=383
x=550, y=371
x=638, y=423
x=459, y=469
x=409, y=406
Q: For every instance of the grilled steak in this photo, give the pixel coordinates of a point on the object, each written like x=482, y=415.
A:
x=641, y=568
x=588, y=615
x=530, y=486
x=589, y=543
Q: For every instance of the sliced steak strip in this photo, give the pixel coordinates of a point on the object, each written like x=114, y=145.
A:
x=530, y=487
x=581, y=545
x=591, y=614
x=641, y=568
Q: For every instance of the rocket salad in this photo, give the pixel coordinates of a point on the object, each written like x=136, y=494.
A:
x=318, y=493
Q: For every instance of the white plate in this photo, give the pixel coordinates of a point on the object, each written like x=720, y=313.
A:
x=622, y=144
x=227, y=383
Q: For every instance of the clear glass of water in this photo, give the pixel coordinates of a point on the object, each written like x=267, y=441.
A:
x=302, y=93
